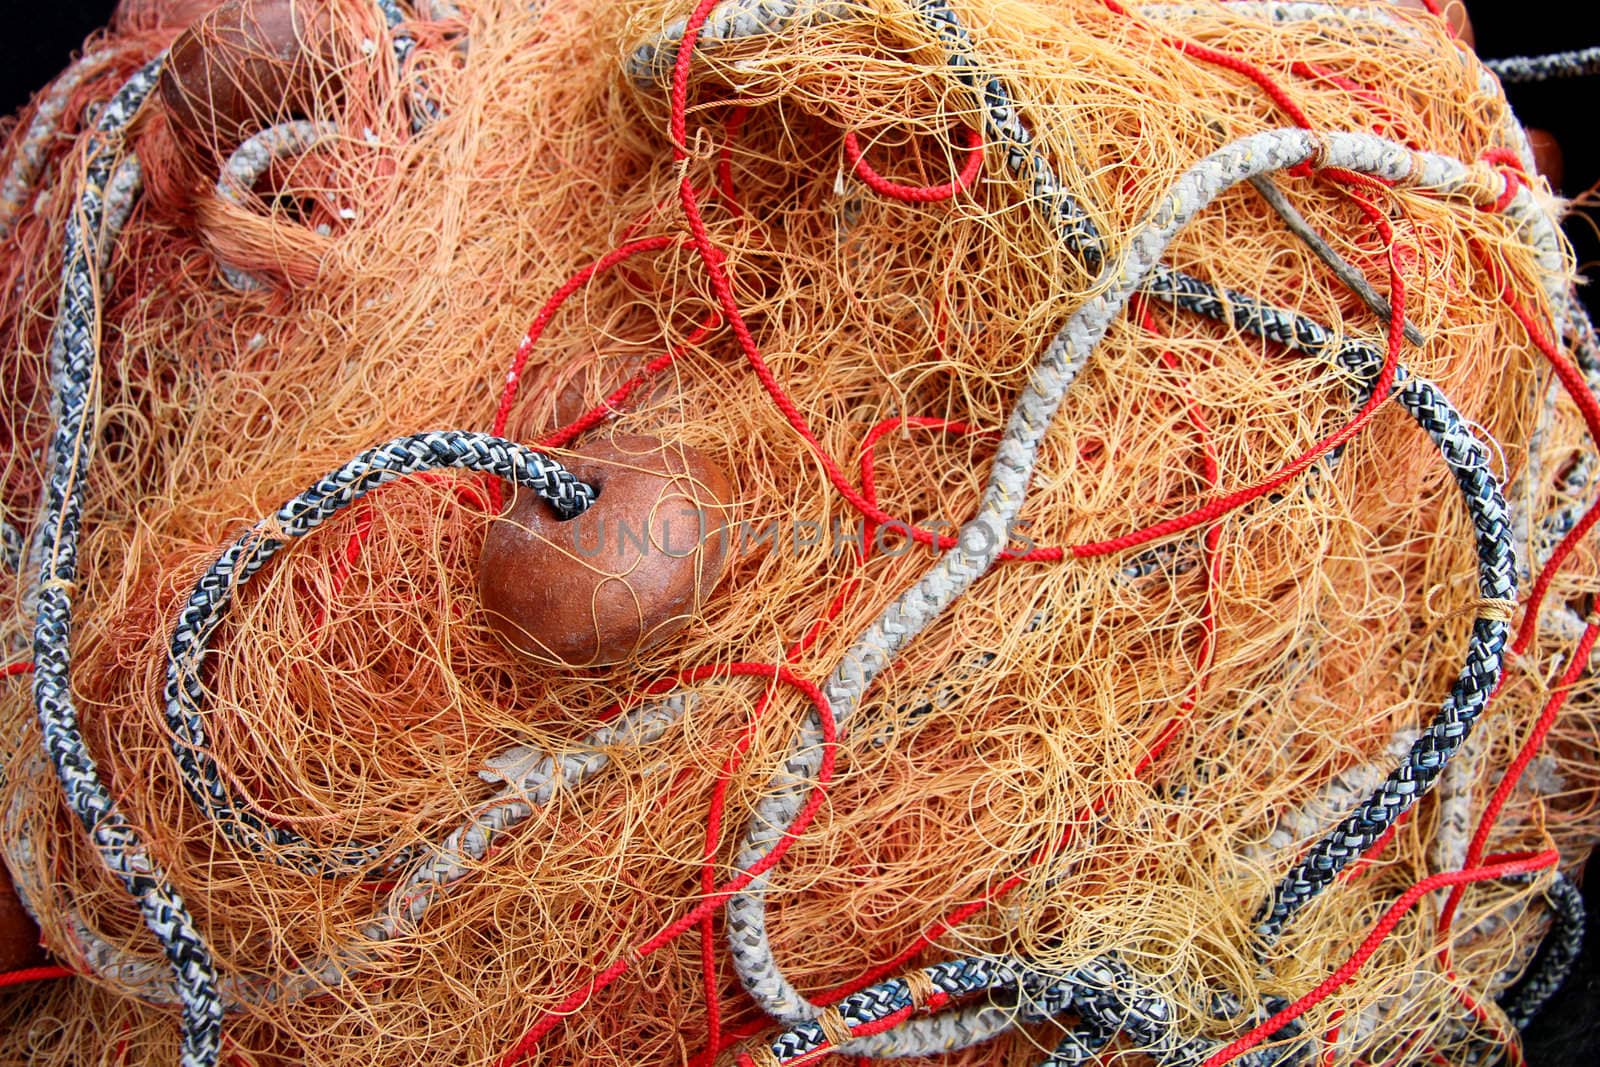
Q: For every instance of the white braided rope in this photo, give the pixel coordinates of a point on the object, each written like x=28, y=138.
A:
x=1330, y=802
x=982, y=538
x=651, y=63
x=34, y=145
x=530, y=778
x=1544, y=234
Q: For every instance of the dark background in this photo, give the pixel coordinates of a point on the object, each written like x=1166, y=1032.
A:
x=1567, y=1034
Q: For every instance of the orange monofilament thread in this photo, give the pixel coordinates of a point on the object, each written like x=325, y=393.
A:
x=867, y=504
x=778, y=292
x=718, y=896
x=1237, y=64
x=1496, y=867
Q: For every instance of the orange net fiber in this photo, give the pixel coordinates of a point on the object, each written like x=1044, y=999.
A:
x=810, y=250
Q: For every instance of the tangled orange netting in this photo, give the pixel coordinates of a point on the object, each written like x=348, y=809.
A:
x=1111, y=745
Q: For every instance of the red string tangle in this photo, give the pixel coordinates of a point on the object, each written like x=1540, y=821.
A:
x=719, y=895
x=1497, y=867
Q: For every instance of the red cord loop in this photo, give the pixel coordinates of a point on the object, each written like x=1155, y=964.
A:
x=917, y=194
x=1514, y=180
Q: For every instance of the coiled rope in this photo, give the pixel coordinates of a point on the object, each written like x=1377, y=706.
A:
x=213, y=593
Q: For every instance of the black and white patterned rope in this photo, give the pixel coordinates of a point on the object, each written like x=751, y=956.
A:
x=953, y=978
x=1052, y=375
x=1469, y=461
x=400, y=41
x=424, y=108
x=652, y=62
x=88, y=231
x=1556, y=955
x=213, y=594
x=1515, y=70
x=1005, y=129
x=1330, y=801
x=1110, y=1002
x=1104, y=993
x=10, y=547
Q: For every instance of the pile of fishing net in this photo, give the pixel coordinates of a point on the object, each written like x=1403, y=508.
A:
x=1126, y=638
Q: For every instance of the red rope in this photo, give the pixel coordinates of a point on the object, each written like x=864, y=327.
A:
x=1572, y=381
x=1380, y=393
x=710, y=902
x=1330, y=1040
x=733, y=128
x=519, y=359
x=1389, y=126
x=11, y=670
x=1169, y=732
x=917, y=194
x=1499, y=867
x=714, y=261
x=1525, y=753
x=35, y=974
x=1234, y=63
x=1577, y=389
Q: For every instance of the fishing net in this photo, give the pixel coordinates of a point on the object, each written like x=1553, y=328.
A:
x=1114, y=596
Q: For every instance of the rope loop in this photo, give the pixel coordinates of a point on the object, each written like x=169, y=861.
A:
x=917, y=194
x=214, y=593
